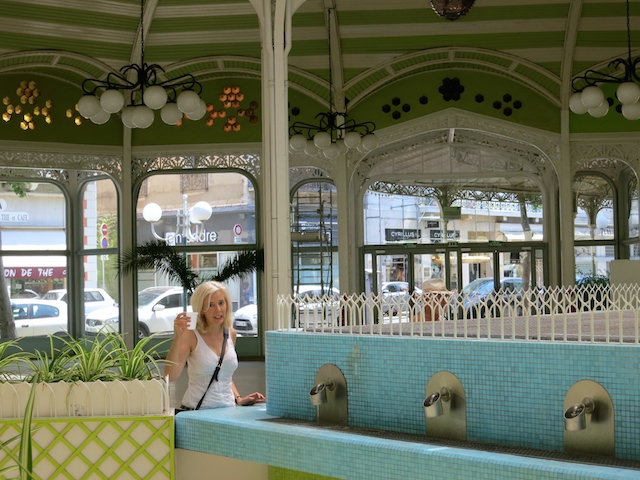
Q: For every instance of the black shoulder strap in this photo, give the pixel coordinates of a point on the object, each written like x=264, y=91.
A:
x=225, y=336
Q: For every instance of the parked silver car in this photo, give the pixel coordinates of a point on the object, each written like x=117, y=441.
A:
x=94, y=298
x=245, y=321
x=157, y=308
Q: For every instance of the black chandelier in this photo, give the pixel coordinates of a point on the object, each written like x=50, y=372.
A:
x=589, y=97
x=451, y=9
x=335, y=133
x=175, y=98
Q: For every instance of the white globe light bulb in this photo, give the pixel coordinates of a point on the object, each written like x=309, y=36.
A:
x=322, y=140
x=332, y=151
x=592, y=97
x=89, y=106
x=310, y=148
x=370, y=141
x=631, y=111
x=200, y=212
x=188, y=101
x=101, y=117
x=142, y=116
x=152, y=212
x=171, y=114
x=155, y=97
x=199, y=113
x=601, y=222
x=628, y=93
x=361, y=148
x=576, y=105
x=127, y=117
x=341, y=146
x=111, y=101
x=352, y=139
x=298, y=142
x=600, y=111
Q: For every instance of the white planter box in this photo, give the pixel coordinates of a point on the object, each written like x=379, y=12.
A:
x=94, y=430
x=91, y=399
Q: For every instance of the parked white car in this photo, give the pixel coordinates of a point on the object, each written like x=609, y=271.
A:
x=157, y=308
x=94, y=298
x=36, y=316
x=245, y=321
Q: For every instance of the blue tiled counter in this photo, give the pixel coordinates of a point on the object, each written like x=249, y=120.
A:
x=239, y=433
x=514, y=390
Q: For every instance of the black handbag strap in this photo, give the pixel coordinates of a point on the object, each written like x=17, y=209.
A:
x=225, y=336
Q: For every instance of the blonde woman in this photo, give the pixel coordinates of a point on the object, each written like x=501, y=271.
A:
x=201, y=349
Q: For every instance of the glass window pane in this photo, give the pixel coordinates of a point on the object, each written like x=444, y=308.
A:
x=100, y=213
x=197, y=208
x=100, y=259
x=493, y=216
x=36, y=221
x=314, y=235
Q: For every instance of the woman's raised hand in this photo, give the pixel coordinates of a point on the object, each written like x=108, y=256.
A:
x=181, y=323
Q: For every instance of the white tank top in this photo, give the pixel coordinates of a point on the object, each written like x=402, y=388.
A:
x=201, y=365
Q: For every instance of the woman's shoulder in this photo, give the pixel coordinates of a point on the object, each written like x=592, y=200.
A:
x=190, y=338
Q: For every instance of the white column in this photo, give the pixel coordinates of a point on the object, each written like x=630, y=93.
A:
x=567, y=228
x=276, y=43
x=127, y=242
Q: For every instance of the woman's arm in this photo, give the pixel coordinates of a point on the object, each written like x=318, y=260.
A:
x=252, y=398
x=184, y=341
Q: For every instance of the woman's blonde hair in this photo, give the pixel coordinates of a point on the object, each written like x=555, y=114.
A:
x=201, y=299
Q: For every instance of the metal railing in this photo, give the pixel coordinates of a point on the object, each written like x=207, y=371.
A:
x=608, y=314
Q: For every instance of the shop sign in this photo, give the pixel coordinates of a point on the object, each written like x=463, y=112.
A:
x=205, y=237
x=35, y=272
x=15, y=217
x=451, y=235
x=401, y=234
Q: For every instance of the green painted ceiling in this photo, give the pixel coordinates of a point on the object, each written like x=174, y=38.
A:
x=376, y=42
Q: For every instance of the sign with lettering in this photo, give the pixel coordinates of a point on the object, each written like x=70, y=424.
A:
x=15, y=217
x=205, y=237
x=35, y=272
x=401, y=234
x=451, y=234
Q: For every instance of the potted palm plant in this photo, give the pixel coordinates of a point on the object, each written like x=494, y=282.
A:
x=156, y=254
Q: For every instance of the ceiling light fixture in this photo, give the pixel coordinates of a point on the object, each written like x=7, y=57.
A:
x=589, y=97
x=335, y=133
x=175, y=98
x=451, y=9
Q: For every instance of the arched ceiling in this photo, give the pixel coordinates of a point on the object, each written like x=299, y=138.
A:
x=537, y=42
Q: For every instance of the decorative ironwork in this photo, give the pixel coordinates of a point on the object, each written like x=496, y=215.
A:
x=335, y=133
x=451, y=9
x=588, y=96
x=175, y=97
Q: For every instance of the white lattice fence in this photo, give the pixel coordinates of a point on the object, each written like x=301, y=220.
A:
x=597, y=313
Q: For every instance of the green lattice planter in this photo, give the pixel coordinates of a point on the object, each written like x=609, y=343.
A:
x=131, y=447
x=92, y=430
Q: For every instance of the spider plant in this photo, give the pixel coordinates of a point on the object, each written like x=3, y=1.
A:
x=24, y=458
x=139, y=363
x=91, y=360
x=11, y=362
x=104, y=358
x=51, y=366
